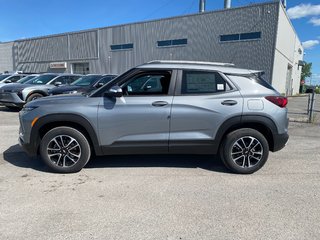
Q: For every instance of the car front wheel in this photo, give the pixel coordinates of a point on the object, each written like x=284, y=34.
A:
x=65, y=150
x=34, y=96
x=244, y=151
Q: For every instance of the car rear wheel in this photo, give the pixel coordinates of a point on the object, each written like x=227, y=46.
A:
x=65, y=150
x=34, y=96
x=244, y=151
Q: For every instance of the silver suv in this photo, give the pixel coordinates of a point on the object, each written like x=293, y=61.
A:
x=161, y=107
x=16, y=95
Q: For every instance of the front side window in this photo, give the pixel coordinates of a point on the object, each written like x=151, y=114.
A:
x=151, y=83
x=14, y=78
x=43, y=79
x=86, y=80
x=26, y=79
x=201, y=82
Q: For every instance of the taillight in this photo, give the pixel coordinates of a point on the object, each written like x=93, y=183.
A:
x=278, y=100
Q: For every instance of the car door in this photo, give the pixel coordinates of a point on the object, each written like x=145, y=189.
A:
x=204, y=100
x=139, y=121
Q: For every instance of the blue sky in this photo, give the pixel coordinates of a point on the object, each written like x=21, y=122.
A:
x=29, y=18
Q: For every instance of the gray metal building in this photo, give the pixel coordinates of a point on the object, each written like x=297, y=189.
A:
x=257, y=36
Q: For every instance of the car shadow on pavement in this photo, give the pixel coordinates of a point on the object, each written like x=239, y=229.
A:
x=207, y=162
x=17, y=157
x=5, y=109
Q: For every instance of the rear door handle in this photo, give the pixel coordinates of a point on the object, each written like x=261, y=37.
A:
x=159, y=104
x=229, y=102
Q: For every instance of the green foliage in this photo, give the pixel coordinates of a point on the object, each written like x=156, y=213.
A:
x=306, y=71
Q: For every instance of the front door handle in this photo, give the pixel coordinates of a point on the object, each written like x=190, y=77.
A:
x=159, y=104
x=229, y=102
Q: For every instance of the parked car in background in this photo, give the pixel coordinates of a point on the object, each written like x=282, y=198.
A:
x=162, y=107
x=4, y=76
x=85, y=84
x=11, y=78
x=22, y=80
x=16, y=95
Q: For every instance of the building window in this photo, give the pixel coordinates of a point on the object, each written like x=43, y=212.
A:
x=174, y=42
x=249, y=36
x=229, y=37
x=240, y=37
x=126, y=46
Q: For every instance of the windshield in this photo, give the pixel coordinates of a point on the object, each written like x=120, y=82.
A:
x=25, y=79
x=86, y=80
x=4, y=76
x=43, y=79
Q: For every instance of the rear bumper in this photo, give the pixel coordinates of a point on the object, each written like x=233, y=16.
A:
x=279, y=141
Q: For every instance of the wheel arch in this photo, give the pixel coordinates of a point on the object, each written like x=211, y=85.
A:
x=43, y=93
x=262, y=124
x=48, y=122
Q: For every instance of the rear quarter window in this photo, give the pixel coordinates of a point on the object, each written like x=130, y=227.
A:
x=261, y=81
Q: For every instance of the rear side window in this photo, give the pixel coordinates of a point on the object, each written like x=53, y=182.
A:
x=261, y=81
x=202, y=82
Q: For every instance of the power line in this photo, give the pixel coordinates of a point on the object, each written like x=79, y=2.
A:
x=159, y=8
x=189, y=7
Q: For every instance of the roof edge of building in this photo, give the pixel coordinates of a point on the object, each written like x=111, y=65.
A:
x=148, y=21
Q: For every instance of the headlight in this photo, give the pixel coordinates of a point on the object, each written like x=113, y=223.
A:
x=27, y=109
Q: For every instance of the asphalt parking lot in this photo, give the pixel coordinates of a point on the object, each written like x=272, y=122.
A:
x=161, y=197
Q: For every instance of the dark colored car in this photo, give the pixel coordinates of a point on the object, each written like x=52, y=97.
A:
x=84, y=84
x=11, y=78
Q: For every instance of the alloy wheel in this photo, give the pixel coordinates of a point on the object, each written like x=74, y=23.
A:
x=247, y=152
x=64, y=151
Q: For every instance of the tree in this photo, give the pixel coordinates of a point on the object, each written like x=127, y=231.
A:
x=306, y=71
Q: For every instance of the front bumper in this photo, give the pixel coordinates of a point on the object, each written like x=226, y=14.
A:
x=11, y=100
x=279, y=141
x=29, y=148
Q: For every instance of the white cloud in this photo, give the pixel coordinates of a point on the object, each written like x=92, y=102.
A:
x=316, y=75
x=315, y=21
x=310, y=44
x=304, y=10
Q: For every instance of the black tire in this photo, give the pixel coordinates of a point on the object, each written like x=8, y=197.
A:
x=34, y=96
x=71, y=150
x=244, y=151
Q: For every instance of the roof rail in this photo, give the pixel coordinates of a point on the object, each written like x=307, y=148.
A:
x=191, y=62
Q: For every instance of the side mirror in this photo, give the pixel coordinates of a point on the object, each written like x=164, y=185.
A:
x=57, y=83
x=115, y=91
x=99, y=85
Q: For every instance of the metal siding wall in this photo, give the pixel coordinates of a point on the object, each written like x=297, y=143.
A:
x=83, y=45
x=43, y=49
x=6, y=59
x=201, y=30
